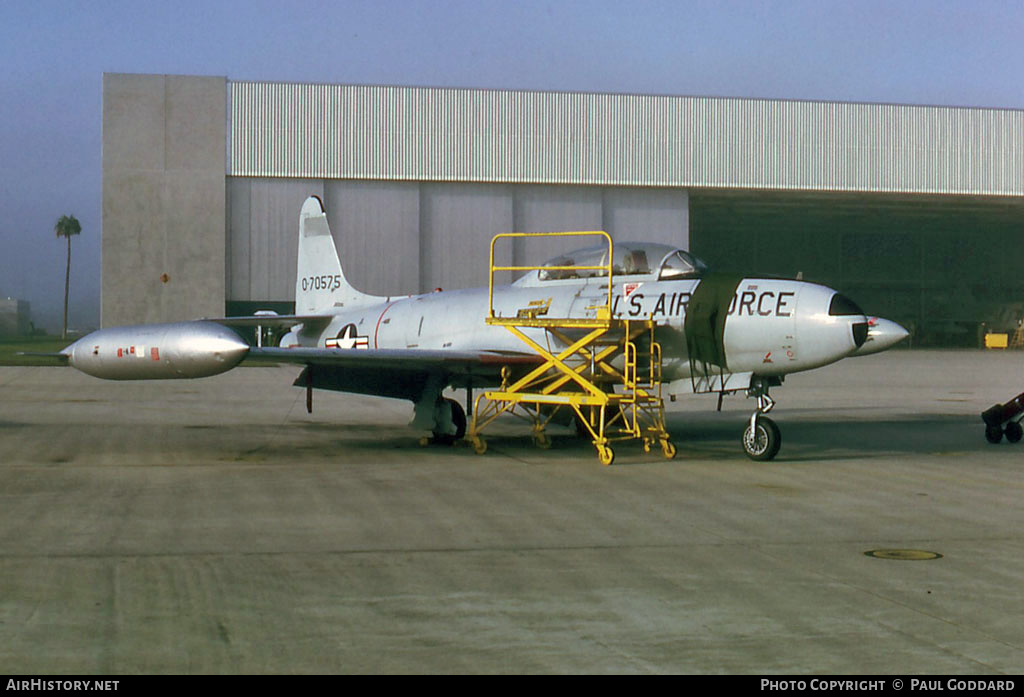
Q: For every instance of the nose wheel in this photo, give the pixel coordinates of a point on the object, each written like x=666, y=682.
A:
x=762, y=438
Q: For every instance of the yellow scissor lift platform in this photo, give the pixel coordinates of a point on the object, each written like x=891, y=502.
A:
x=606, y=371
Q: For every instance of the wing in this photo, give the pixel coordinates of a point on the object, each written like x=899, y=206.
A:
x=401, y=373
x=312, y=323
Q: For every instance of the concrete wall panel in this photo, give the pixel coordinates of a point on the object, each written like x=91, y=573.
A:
x=192, y=281
x=164, y=198
x=196, y=130
x=134, y=119
x=132, y=247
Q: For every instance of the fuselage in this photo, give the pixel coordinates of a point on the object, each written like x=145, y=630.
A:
x=721, y=330
x=772, y=327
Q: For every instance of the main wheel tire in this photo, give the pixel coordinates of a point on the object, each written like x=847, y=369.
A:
x=762, y=443
x=458, y=420
x=1013, y=432
x=993, y=434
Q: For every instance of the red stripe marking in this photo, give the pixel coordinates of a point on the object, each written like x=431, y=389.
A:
x=377, y=328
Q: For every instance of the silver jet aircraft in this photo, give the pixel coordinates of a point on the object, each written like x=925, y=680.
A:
x=719, y=333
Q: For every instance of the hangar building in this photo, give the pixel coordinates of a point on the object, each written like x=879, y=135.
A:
x=917, y=212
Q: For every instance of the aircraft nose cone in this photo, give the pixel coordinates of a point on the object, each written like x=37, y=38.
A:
x=882, y=334
x=71, y=349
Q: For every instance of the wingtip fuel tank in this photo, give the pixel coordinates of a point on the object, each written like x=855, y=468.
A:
x=158, y=351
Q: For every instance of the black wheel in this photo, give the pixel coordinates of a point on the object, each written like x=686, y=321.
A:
x=1013, y=432
x=458, y=420
x=763, y=442
x=993, y=434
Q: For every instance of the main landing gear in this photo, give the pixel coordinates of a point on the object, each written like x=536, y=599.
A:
x=449, y=423
x=761, y=439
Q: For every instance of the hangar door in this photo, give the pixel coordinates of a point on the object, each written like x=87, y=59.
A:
x=939, y=265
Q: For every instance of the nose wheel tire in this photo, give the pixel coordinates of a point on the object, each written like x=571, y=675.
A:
x=993, y=434
x=762, y=442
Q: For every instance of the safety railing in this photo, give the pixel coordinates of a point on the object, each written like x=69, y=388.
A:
x=603, y=313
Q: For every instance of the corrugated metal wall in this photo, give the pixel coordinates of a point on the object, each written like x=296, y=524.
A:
x=462, y=135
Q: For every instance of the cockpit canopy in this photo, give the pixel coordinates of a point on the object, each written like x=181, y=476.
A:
x=662, y=261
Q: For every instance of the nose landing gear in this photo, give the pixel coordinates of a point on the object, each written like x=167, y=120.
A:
x=761, y=439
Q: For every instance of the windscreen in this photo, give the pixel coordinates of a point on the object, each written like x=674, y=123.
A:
x=681, y=264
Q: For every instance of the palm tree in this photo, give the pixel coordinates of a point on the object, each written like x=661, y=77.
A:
x=67, y=226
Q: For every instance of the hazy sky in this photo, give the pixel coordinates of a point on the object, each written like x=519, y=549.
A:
x=53, y=55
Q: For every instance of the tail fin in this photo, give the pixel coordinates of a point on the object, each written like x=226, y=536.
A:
x=320, y=283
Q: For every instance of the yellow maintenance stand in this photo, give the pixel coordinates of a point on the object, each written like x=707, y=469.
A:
x=606, y=371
